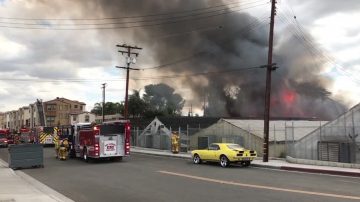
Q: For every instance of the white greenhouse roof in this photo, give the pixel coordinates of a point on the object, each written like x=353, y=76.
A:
x=277, y=128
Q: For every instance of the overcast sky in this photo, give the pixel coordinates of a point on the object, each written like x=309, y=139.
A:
x=41, y=60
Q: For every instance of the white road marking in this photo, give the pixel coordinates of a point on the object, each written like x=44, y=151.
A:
x=259, y=186
x=303, y=172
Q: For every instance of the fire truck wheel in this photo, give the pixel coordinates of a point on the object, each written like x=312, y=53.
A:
x=85, y=156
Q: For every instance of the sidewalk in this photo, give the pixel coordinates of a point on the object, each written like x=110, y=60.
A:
x=18, y=186
x=273, y=164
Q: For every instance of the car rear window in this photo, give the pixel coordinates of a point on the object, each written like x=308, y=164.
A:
x=234, y=146
x=112, y=129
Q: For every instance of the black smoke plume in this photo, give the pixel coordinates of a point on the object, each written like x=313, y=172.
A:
x=225, y=42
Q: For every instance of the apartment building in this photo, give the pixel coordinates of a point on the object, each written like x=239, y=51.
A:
x=2, y=120
x=82, y=117
x=24, y=117
x=50, y=113
x=57, y=111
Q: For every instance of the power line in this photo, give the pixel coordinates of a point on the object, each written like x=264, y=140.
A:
x=314, y=51
x=137, y=78
x=49, y=27
x=198, y=73
x=176, y=61
x=124, y=17
x=254, y=24
x=137, y=21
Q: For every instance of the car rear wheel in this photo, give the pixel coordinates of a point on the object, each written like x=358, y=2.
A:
x=197, y=159
x=224, y=161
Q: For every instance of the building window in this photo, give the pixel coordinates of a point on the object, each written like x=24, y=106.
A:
x=87, y=118
x=81, y=107
x=75, y=106
x=50, y=120
x=74, y=118
x=51, y=107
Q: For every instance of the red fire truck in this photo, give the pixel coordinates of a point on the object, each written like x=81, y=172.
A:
x=26, y=136
x=109, y=140
x=4, y=137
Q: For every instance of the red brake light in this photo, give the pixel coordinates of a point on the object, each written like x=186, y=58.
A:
x=97, y=149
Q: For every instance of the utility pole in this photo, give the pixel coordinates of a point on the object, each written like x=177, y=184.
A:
x=270, y=67
x=103, y=104
x=204, y=105
x=129, y=60
x=190, y=114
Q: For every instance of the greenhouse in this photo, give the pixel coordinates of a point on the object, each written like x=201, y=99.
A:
x=336, y=141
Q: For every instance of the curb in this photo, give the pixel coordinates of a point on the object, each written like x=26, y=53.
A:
x=163, y=155
x=265, y=166
x=329, y=172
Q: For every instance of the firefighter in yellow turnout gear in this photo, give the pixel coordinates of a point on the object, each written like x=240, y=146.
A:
x=175, y=143
x=61, y=145
x=63, y=149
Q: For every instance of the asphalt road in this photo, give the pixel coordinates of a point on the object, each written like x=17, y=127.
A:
x=152, y=178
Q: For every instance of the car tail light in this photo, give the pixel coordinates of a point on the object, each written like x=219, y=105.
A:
x=5, y=141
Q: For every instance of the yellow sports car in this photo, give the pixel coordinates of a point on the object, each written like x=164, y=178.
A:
x=225, y=153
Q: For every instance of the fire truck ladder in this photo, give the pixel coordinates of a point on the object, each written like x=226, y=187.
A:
x=40, y=109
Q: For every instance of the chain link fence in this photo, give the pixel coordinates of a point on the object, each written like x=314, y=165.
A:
x=162, y=140
x=193, y=138
x=337, y=140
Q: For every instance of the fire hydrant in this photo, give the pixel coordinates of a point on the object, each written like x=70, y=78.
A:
x=175, y=143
